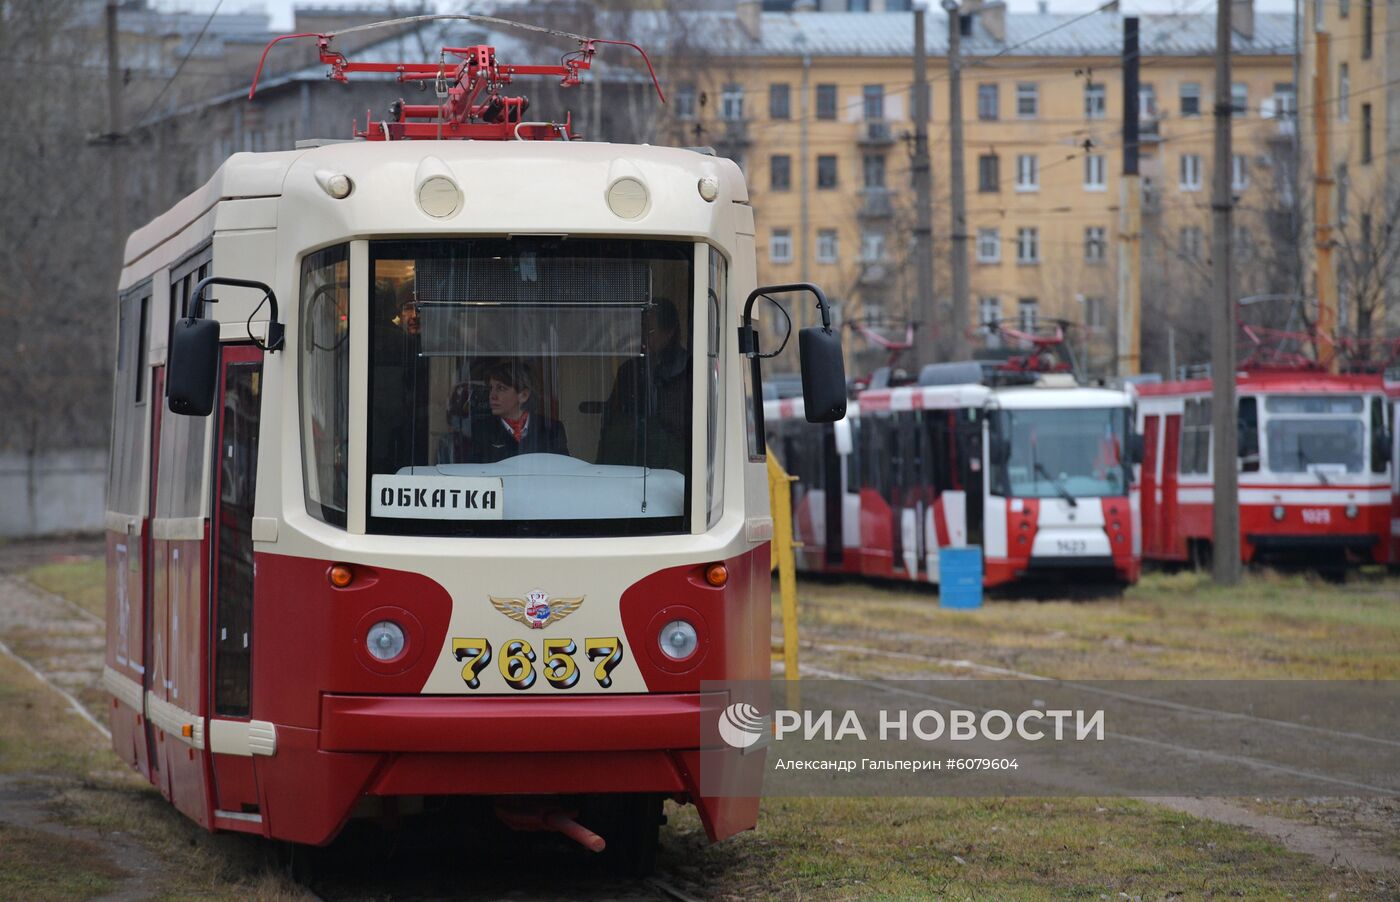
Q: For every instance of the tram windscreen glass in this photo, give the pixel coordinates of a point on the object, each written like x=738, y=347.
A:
x=530, y=386
x=1318, y=434
x=1064, y=452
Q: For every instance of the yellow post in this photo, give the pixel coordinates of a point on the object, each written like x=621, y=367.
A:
x=780, y=504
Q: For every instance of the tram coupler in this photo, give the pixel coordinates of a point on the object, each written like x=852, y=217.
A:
x=535, y=816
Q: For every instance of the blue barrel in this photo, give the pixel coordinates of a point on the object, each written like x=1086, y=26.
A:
x=960, y=577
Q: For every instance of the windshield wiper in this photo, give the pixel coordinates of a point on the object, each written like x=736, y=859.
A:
x=1059, y=486
x=1303, y=459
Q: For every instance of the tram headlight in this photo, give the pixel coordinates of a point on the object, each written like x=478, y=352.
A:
x=1351, y=511
x=385, y=640
x=708, y=186
x=1278, y=512
x=678, y=640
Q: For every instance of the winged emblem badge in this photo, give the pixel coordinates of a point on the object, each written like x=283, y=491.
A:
x=536, y=610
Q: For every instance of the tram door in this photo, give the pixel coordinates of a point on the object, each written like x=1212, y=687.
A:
x=231, y=585
x=970, y=476
x=148, y=583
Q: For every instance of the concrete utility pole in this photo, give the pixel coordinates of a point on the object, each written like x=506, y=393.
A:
x=803, y=161
x=1130, y=215
x=1327, y=302
x=1225, y=556
x=115, y=171
x=925, y=309
x=957, y=341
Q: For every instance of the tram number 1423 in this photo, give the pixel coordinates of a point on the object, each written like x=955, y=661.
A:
x=517, y=662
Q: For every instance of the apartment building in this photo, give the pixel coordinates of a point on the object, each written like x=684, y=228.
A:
x=817, y=108
x=1350, y=89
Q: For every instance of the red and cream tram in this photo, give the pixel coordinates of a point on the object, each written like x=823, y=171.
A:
x=475, y=509
x=1316, y=468
x=1038, y=473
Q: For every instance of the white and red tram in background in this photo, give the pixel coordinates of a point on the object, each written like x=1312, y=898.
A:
x=1031, y=466
x=1317, y=478
x=475, y=510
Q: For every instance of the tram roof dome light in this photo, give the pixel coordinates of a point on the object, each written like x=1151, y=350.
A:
x=628, y=197
x=337, y=184
x=435, y=189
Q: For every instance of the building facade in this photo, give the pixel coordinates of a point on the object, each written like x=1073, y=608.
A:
x=1350, y=91
x=817, y=108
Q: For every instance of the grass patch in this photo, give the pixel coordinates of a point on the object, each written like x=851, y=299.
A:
x=1169, y=626
x=81, y=580
x=39, y=865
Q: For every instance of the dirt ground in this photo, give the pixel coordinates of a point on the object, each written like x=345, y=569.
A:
x=74, y=825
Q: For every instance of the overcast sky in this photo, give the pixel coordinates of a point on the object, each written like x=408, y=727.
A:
x=281, y=10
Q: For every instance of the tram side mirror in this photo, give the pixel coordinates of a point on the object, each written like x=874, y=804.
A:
x=1136, y=447
x=823, y=374
x=194, y=366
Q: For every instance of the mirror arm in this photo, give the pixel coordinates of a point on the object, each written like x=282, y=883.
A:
x=754, y=295
x=276, y=332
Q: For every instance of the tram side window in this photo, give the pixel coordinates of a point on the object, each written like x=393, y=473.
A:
x=1249, y=434
x=1380, y=437
x=714, y=379
x=1195, y=437
x=325, y=381
x=128, y=426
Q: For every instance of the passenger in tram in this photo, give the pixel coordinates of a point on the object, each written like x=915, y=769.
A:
x=647, y=417
x=512, y=428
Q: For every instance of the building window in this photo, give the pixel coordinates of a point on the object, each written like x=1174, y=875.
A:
x=1028, y=312
x=1343, y=92
x=780, y=172
x=872, y=246
x=988, y=312
x=1190, y=98
x=1095, y=172
x=1095, y=101
x=1192, y=243
x=1190, y=172
x=1368, y=27
x=827, y=246
x=1365, y=133
x=826, y=171
x=1147, y=103
x=1239, y=98
x=826, y=101
x=873, y=170
x=1318, y=23
x=987, y=97
x=1028, y=245
x=1094, y=313
x=1027, y=172
x=780, y=246
x=1343, y=8
x=732, y=103
x=857, y=6
x=1239, y=172
x=685, y=100
x=989, y=245
x=873, y=101
x=1095, y=244
x=988, y=173
x=1286, y=101
x=779, y=101
x=1027, y=100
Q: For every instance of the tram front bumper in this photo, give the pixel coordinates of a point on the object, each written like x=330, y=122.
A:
x=576, y=723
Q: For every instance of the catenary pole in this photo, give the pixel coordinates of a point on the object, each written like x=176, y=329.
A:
x=925, y=309
x=1225, y=558
x=956, y=344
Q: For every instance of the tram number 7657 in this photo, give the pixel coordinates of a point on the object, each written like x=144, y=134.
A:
x=517, y=661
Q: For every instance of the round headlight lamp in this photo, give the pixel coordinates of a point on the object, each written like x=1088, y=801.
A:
x=1351, y=511
x=678, y=640
x=385, y=640
x=1278, y=512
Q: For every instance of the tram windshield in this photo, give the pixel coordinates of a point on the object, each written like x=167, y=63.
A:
x=1318, y=434
x=530, y=386
x=1061, y=452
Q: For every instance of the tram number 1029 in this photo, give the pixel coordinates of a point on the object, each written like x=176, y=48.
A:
x=517, y=661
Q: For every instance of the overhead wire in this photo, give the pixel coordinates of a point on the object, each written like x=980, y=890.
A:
x=183, y=60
